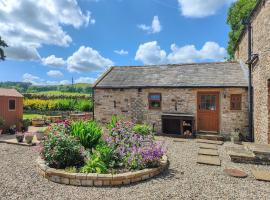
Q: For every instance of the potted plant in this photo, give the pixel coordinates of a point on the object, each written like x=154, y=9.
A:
x=25, y=124
x=28, y=137
x=40, y=134
x=19, y=136
x=235, y=136
x=2, y=123
x=12, y=129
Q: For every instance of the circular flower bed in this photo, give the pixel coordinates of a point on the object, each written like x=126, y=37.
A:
x=94, y=179
x=80, y=153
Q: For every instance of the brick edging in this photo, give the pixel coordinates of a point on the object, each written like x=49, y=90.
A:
x=94, y=179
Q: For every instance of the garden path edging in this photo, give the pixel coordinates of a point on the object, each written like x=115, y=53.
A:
x=94, y=179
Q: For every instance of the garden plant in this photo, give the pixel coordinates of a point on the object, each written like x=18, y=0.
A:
x=84, y=147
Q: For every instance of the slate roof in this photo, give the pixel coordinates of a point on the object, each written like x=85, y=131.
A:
x=9, y=93
x=221, y=74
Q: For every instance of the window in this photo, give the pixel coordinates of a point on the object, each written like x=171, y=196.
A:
x=11, y=104
x=207, y=102
x=236, y=100
x=154, y=101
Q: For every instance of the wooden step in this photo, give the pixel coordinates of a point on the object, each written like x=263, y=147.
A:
x=210, y=137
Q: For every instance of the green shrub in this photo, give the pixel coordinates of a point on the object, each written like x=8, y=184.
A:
x=105, y=153
x=142, y=129
x=94, y=165
x=61, y=150
x=88, y=132
x=113, y=122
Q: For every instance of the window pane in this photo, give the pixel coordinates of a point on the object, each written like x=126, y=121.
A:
x=208, y=102
x=155, y=104
x=155, y=97
x=11, y=104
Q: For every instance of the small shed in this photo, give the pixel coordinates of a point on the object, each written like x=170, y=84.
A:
x=11, y=107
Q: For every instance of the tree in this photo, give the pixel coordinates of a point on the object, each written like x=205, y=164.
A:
x=239, y=11
x=3, y=44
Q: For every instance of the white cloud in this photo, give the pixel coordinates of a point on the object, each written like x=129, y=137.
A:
x=121, y=52
x=85, y=80
x=151, y=53
x=54, y=73
x=33, y=23
x=154, y=28
x=21, y=52
x=87, y=59
x=201, y=8
x=35, y=80
x=53, y=61
x=64, y=82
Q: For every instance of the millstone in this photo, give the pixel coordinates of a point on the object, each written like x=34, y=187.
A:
x=236, y=173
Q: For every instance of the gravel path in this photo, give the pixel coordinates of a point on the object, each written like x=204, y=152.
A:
x=184, y=180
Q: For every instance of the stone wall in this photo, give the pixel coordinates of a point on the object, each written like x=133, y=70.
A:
x=132, y=104
x=261, y=71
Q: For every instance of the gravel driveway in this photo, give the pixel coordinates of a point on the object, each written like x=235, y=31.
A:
x=184, y=180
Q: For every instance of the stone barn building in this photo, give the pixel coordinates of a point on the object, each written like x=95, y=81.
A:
x=11, y=107
x=260, y=37
x=176, y=99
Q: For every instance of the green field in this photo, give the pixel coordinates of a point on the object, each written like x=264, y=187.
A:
x=32, y=116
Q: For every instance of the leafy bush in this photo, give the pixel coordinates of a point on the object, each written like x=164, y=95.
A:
x=88, y=132
x=60, y=150
x=142, y=129
x=105, y=153
x=238, y=11
x=113, y=122
x=94, y=165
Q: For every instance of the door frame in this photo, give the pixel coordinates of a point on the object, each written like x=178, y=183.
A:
x=217, y=107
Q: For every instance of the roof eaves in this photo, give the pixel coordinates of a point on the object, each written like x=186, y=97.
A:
x=102, y=77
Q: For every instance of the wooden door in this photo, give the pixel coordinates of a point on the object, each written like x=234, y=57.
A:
x=208, y=111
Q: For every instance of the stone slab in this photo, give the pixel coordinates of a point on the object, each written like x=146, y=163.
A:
x=236, y=173
x=210, y=152
x=209, y=141
x=208, y=160
x=208, y=146
x=241, y=155
x=210, y=137
x=179, y=140
x=261, y=175
x=14, y=141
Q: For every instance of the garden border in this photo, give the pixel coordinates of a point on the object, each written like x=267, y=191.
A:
x=94, y=179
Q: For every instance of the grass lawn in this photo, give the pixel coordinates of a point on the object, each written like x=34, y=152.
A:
x=31, y=116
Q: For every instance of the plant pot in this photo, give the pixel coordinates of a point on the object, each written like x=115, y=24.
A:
x=1, y=131
x=19, y=137
x=40, y=135
x=29, y=139
x=232, y=139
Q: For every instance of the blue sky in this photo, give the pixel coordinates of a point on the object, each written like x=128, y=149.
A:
x=52, y=41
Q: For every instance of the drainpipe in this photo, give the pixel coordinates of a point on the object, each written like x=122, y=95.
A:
x=250, y=92
x=93, y=101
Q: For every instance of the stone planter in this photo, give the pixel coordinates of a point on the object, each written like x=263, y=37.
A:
x=19, y=137
x=38, y=122
x=94, y=179
x=28, y=138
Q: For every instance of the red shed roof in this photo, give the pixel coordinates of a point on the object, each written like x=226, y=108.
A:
x=10, y=93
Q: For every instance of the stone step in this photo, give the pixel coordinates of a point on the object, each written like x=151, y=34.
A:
x=214, y=137
x=261, y=175
x=241, y=155
x=209, y=141
x=208, y=160
x=208, y=146
x=209, y=152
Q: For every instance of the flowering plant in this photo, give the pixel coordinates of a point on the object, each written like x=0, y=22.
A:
x=132, y=150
